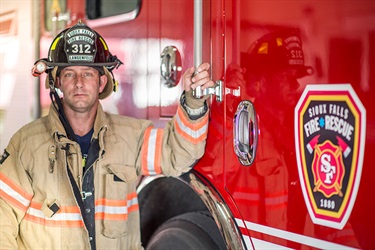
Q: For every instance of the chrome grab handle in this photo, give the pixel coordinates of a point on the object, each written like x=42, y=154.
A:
x=198, y=54
x=245, y=133
x=198, y=40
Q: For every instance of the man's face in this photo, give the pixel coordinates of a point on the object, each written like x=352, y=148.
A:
x=282, y=88
x=81, y=86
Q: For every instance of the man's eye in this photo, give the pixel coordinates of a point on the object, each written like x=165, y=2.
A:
x=87, y=74
x=284, y=77
x=68, y=75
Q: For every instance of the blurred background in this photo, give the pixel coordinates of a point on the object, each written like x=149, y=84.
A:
x=18, y=99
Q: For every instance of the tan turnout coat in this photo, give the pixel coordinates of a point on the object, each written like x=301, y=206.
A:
x=34, y=180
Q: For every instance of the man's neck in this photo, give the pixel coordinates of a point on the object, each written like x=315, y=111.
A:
x=82, y=126
x=81, y=123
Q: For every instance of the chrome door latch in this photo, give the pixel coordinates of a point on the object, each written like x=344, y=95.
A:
x=170, y=67
x=245, y=133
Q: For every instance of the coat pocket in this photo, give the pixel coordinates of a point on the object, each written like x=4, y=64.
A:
x=119, y=185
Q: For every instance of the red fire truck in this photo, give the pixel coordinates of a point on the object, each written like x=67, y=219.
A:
x=288, y=162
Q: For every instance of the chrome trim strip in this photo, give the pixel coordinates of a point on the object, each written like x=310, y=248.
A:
x=218, y=209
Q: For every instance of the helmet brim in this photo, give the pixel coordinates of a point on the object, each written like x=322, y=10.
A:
x=256, y=65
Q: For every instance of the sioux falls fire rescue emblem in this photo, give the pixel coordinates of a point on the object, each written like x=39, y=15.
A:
x=329, y=137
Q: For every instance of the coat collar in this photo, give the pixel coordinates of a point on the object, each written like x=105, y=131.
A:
x=58, y=128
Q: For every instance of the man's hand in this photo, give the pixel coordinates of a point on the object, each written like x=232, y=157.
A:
x=235, y=76
x=191, y=82
x=202, y=78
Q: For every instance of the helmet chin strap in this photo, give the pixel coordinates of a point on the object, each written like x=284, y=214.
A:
x=56, y=102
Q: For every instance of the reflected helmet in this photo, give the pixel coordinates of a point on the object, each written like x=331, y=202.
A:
x=278, y=50
x=81, y=46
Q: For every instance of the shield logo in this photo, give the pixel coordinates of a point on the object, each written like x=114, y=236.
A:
x=330, y=124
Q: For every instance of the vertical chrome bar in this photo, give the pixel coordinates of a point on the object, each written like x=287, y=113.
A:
x=37, y=6
x=198, y=40
x=236, y=55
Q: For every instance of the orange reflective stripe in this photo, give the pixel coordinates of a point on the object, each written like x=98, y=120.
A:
x=276, y=195
x=151, y=151
x=13, y=201
x=109, y=202
x=36, y=205
x=193, y=132
x=66, y=216
x=13, y=193
x=54, y=223
x=188, y=137
x=107, y=209
x=251, y=198
x=158, y=147
x=132, y=196
x=276, y=200
x=108, y=216
x=133, y=208
x=133, y=202
x=187, y=123
x=145, y=152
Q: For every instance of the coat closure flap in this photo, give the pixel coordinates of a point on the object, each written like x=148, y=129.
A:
x=123, y=172
x=49, y=208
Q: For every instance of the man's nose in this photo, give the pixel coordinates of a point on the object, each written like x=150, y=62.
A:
x=79, y=81
x=294, y=83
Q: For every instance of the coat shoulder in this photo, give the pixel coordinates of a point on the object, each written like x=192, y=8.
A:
x=37, y=130
x=126, y=122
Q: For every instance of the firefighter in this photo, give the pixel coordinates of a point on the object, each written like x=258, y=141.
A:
x=272, y=67
x=68, y=180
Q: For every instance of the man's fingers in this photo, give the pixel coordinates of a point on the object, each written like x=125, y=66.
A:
x=194, y=78
x=201, y=75
x=203, y=67
x=204, y=83
x=189, y=73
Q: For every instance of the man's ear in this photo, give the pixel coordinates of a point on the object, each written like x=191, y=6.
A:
x=102, y=83
x=260, y=85
x=57, y=82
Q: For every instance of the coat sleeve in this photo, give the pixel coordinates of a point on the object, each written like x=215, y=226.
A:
x=15, y=196
x=173, y=150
